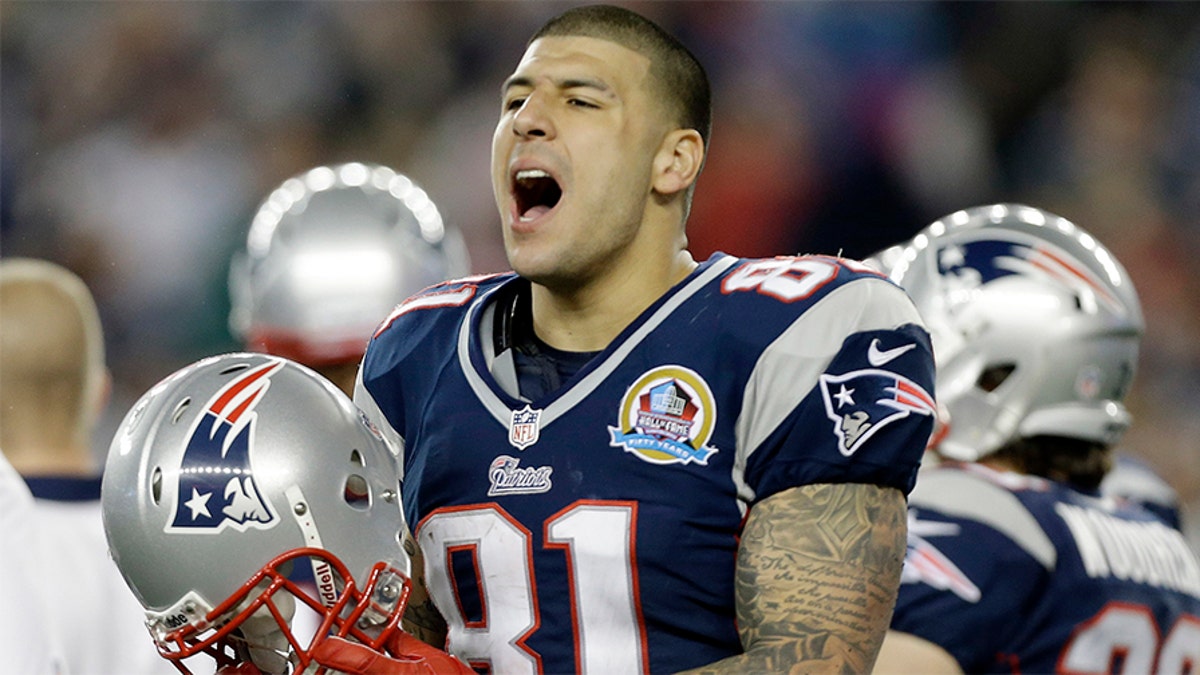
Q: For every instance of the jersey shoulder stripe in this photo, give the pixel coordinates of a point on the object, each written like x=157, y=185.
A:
x=453, y=293
x=790, y=367
x=963, y=494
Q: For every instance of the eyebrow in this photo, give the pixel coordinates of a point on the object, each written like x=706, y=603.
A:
x=567, y=83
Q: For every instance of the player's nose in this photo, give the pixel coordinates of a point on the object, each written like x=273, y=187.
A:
x=533, y=119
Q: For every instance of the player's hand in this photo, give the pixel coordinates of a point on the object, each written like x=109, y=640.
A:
x=406, y=656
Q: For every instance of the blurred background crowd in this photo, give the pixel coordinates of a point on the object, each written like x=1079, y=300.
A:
x=138, y=138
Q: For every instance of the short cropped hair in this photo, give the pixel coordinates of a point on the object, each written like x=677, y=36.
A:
x=51, y=354
x=676, y=70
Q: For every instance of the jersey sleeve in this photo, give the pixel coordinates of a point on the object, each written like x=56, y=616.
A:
x=366, y=402
x=393, y=379
x=844, y=395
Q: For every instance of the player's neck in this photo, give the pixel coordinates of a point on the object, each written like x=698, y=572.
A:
x=1001, y=464
x=42, y=461
x=588, y=318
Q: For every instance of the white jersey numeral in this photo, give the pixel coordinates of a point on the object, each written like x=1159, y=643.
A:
x=1126, y=634
x=1181, y=649
x=501, y=549
x=597, y=539
x=786, y=279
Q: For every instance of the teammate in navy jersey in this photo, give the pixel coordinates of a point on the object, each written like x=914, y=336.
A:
x=1017, y=561
x=618, y=460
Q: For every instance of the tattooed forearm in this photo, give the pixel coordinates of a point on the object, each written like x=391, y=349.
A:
x=421, y=617
x=817, y=575
x=423, y=621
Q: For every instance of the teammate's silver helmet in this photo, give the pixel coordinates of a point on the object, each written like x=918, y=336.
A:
x=329, y=254
x=1035, y=327
x=245, y=487
x=885, y=260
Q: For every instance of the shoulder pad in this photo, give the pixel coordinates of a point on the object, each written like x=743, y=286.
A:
x=963, y=495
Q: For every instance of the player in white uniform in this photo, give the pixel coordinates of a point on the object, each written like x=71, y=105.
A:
x=54, y=388
x=30, y=642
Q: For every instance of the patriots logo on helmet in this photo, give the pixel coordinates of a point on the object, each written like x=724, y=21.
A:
x=216, y=481
x=862, y=402
x=975, y=263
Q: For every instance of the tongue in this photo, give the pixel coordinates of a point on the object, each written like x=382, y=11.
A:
x=535, y=212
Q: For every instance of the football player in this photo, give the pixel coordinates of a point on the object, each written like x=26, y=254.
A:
x=1016, y=562
x=617, y=459
x=328, y=254
x=53, y=387
x=29, y=639
x=232, y=478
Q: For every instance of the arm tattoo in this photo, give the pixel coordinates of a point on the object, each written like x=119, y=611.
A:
x=421, y=617
x=817, y=574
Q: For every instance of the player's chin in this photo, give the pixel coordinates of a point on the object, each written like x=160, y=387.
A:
x=542, y=267
x=527, y=247
x=527, y=262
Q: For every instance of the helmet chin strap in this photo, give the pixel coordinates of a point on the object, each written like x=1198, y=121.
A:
x=267, y=645
x=322, y=573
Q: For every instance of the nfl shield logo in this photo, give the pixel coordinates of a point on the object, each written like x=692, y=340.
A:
x=523, y=430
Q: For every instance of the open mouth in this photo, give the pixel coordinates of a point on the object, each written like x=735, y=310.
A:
x=536, y=192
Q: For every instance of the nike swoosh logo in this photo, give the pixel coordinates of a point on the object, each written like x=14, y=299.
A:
x=877, y=357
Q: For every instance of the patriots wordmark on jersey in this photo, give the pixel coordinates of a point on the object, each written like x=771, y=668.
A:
x=1011, y=573
x=595, y=528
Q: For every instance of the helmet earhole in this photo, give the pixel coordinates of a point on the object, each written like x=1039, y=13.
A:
x=356, y=493
x=356, y=458
x=180, y=409
x=156, y=486
x=993, y=376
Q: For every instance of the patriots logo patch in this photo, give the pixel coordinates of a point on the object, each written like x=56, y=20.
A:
x=217, y=488
x=862, y=402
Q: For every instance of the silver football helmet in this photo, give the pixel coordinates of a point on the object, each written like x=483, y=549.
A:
x=885, y=260
x=329, y=254
x=253, y=510
x=1035, y=327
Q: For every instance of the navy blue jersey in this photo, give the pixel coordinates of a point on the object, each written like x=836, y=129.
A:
x=596, y=528
x=1015, y=574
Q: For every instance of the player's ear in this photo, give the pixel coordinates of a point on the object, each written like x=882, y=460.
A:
x=678, y=161
x=99, y=394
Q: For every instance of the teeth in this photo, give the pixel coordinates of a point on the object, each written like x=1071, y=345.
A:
x=530, y=174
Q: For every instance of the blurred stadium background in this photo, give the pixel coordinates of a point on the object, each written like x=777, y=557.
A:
x=137, y=139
